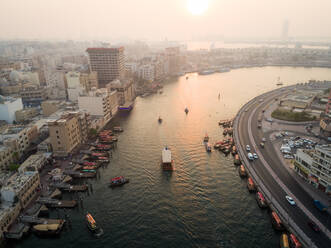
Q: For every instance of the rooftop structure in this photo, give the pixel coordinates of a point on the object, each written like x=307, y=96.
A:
x=8, y=107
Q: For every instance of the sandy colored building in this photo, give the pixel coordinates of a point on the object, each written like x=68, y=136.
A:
x=89, y=80
x=26, y=114
x=49, y=107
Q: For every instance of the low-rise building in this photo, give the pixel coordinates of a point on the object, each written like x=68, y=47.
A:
x=33, y=163
x=296, y=101
x=89, y=80
x=125, y=91
x=8, y=108
x=315, y=166
x=8, y=215
x=51, y=106
x=25, y=114
x=33, y=96
x=21, y=187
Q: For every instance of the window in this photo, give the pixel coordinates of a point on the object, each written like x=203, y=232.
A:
x=59, y=142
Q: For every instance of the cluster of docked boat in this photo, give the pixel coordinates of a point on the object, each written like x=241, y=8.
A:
x=226, y=123
x=226, y=146
x=261, y=201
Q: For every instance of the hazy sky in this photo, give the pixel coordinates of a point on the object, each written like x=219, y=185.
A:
x=159, y=19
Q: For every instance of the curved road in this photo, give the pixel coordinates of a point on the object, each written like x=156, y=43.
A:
x=276, y=178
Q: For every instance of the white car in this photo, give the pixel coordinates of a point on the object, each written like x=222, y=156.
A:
x=250, y=156
x=248, y=148
x=290, y=200
x=255, y=156
x=264, y=140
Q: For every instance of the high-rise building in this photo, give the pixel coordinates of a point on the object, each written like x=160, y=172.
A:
x=108, y=63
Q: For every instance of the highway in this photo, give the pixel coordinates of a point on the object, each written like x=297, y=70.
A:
x=275, y=177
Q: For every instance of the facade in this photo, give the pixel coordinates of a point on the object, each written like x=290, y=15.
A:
x=315, y=166
x=6, y=156
x=8, y=108
x=97, y=103
x=147, y=72
x=64, y=134
x=125, y=91
x=21, y=187
x=33, y=163
x=108, y=63
x=25, y=114
x=8, y=215
x=33, y=96
x=89, y=80
x=49, y=107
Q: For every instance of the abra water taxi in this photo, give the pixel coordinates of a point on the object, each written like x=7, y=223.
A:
x=92, y=225
x=260, y=200
x=250, y=185
x=48, y=230
x=118, y=181
x=208, y=147
x=276, y=222
x=236, y=160
x=186, y=110
x=160, y=119
x=242, y=171
x=167, y=162
x=206, y=138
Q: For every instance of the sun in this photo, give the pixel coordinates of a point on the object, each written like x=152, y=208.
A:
x=197, y=7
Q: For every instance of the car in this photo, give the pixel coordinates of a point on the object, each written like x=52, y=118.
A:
x=259, y=125
x=264, y=139
x=255, y=156
x=288, y=156
x=290, y=200
x=248, y=148
x=261, y=100
x=313, y=226
x=250, y=156
x=270, y=119
x=262, y=144
x=246, y=110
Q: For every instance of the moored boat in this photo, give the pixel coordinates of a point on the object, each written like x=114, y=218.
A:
x=284, y=241
x=242, y=171
x=234, y=150
x=261, y=200
x=118, y=129
x=250, y=185
x=208, y=147
x=92, y=225
x=186, y=110
x=276, y=221
x=118, y=181
x=294, y=242
x=206, y=138
x=160, y=119
x=236, y=160
x=48, y=230
x=167, y=162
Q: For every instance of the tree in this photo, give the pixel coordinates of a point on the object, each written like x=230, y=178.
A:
x=13, y=167
x=93, y=132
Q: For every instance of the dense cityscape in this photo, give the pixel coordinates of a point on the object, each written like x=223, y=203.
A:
x=143, y=142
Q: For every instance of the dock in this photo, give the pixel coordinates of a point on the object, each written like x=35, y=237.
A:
x=53, y=203
x=69, y=187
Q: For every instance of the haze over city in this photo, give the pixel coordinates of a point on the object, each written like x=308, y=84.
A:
x=160, y=19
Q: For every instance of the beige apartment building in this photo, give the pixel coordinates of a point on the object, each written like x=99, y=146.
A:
x=25, y=114
x=68, y=131
x=108, y=63
x=49, y=107
x=89, y=80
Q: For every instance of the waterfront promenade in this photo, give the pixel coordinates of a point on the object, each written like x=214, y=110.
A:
x=273, y=179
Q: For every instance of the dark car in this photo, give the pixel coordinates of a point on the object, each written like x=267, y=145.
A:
x=314, y=226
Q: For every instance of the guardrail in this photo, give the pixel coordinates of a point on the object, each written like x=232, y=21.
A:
x=287, y=220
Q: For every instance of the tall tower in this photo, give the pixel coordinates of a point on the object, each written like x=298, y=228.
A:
x=285, y=30
x=107, y=62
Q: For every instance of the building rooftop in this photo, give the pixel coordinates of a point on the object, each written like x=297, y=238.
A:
x=18, y=181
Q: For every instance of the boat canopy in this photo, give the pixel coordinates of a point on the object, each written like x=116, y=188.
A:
x=117, y=178
x=46, y=227
x=166, y=155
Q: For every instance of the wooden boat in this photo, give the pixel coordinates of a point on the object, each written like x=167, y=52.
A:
x=160, y=119
x=118, y=181
x=261, y=200
x=294, y=242
x=250, y=185
x=236, y=160
x=48, y=230
x=167, y=162
x=234, y=150
x=276, y=221
x=208, y=147
x=206, y=138
x=92, y=225
x=186, y=110
x=284, y=241
x=242, y=171
x=118, y=129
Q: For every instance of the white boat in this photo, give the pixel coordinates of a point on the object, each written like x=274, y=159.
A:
x=167, y=162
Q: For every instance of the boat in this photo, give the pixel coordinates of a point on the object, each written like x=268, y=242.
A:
x=224, y=70
x=48, y=230
x=234, y=150
x=276, y=221
x=160, y=92
x=208, y=147
x=186, y=77
x=92, y=225
x=118, y=129
x=167, y=162
x=160, y=119
x=206, y=138
x=186, y=110
x=250, y=185
x=279, y=83
x=284, y=241
x=118, y=181
x=206, y=72
x=294, y=242
x=236, y=160
x=242, y=171
x=89, y=170
x=261, y=200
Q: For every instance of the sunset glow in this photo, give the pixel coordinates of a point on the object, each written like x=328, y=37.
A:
x=197, y=7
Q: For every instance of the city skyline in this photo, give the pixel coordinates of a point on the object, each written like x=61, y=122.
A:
x=158, y=20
